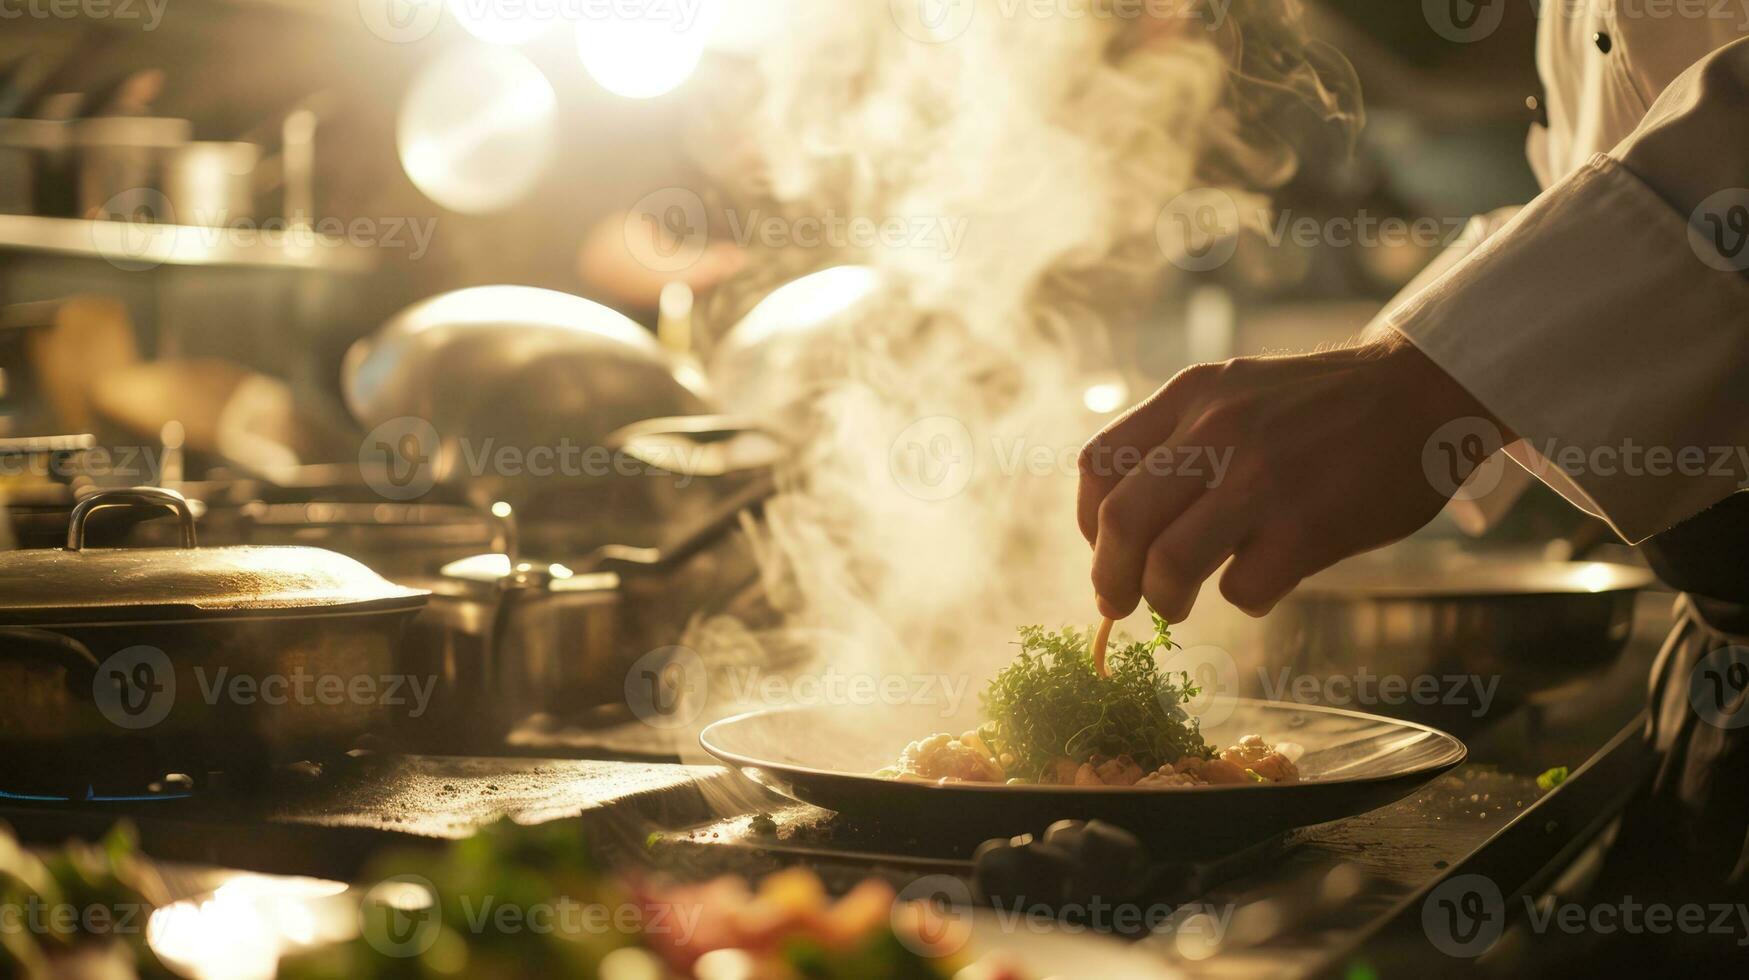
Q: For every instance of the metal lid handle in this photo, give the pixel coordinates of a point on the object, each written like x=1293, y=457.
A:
x=131, y=497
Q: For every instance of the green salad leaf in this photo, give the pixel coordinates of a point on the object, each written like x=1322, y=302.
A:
x=1051, y=704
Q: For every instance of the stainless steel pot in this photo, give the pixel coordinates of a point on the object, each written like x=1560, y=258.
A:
x=188, y=659
x=1535, y=626
x=516, y=642
x=512, y=641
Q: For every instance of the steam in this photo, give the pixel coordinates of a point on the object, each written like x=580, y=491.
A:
x=1054, y=142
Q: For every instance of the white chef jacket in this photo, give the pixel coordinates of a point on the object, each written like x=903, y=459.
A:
x=1586, y=321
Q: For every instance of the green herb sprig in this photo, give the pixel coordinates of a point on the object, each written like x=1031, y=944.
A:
x=1051, y=704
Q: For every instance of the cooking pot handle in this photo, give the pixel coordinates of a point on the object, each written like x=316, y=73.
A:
x=80, y=662
x=132, y=497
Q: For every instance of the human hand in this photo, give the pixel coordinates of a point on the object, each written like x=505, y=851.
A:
x=1302, y=460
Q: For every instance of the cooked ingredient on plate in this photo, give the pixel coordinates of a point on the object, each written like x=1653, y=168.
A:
x=1056, y=715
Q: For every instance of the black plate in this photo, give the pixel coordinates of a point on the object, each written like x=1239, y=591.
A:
x=1351, y=762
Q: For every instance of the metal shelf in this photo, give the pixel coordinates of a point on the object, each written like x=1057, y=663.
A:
x=134, y=246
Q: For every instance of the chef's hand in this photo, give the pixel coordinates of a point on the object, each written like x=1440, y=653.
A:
x=1324, y=458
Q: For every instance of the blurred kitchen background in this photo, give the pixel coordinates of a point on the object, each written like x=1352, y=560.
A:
x=205, y=205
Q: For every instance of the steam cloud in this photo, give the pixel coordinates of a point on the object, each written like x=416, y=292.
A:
x=1053, y=143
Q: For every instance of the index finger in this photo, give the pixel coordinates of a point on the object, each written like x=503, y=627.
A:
x=1122, y=445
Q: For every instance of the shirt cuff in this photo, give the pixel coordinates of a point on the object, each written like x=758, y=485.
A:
x=1591, y=327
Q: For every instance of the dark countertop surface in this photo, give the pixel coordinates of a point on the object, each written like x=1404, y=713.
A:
x=1324, y=900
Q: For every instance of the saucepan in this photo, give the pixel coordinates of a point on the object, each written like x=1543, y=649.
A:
x=1525, y=627
x=516, y=641
x=191, y=659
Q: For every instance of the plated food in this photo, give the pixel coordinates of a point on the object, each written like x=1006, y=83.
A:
x=1069, y=713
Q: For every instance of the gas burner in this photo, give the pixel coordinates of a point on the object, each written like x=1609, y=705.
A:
x=170, y=786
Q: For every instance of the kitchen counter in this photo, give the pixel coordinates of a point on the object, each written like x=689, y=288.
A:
x=1339, y=899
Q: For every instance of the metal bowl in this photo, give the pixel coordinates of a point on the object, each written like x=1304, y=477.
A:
x=544, y=374
x=1531, y=626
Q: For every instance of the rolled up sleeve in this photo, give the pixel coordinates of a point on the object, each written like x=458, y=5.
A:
x=1597, y=325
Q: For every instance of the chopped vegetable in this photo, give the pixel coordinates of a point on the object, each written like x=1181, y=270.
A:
x=1051, y=704
x=1552, y=778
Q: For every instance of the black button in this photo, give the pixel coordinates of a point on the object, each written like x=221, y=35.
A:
x=1602, y=41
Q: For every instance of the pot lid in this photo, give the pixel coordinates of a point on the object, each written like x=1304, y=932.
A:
x=500, y=570
x=76, y=584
